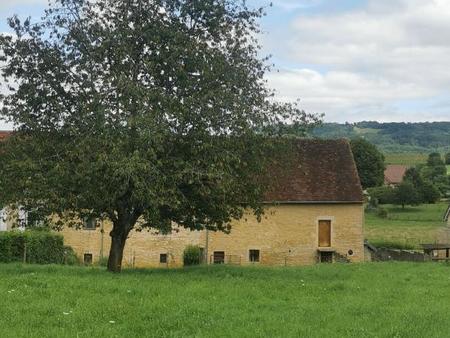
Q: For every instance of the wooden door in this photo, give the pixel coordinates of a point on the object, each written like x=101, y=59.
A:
x=324, y=233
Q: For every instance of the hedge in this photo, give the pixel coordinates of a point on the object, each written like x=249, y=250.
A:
x=33, y=247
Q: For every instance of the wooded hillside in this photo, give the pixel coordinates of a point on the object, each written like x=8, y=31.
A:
x=393, y=137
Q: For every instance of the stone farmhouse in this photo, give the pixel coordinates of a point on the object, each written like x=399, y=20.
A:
x=314, y=214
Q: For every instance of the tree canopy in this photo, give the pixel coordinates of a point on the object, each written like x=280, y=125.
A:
x=369, y=162
x=148, y=113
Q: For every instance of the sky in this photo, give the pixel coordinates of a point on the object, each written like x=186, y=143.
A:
x=353, y=60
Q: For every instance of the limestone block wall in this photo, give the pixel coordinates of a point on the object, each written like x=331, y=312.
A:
x=287, y=235
x=142, y=249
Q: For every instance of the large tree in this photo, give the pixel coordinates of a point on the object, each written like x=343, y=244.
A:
x=369, y=162
x=148, y=113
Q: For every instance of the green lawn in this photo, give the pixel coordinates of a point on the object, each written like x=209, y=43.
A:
x=338, y=300
x=410, y=226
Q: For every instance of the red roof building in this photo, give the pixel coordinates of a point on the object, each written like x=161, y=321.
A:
x=394, y=173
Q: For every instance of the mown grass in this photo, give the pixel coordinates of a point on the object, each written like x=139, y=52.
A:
x=407, y=227
x=348, y=300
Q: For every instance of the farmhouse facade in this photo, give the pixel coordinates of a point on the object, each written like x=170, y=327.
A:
x=313, y=214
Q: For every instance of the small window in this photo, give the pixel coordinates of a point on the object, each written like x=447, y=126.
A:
x=163, y=258
x=87, y=258
x=350, y=252
x=326, y=257
x=253, y=256
x=90, y=223
x=219, y=257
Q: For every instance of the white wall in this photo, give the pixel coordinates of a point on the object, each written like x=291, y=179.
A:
x=2, y=220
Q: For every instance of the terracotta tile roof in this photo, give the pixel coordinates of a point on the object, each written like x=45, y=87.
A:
x=4, y=134
x=393, y=174
x=320, y=171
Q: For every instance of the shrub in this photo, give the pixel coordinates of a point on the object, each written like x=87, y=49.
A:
x=70, y=257
x=382, y=213
x=192, y=255
x=32, y=247
x=384, y=195
x=373, y=203
x=447, y=158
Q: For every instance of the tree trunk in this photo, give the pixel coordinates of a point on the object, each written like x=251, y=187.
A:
x=118, y=240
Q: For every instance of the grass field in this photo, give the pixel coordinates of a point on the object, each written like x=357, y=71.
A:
x=338, y=300
x=408, y=227
x=409, y=159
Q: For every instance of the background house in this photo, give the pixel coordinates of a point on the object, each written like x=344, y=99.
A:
x=394, y=173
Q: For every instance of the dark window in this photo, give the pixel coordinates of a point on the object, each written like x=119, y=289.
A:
x=89, y=223
x=219, y=257
x=163, y=258
x=87, y=258
x=350, y=252
x=253, y=255
x=326, y=257
x=202, y=255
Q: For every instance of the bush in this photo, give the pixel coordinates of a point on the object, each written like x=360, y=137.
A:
x=192, y=255
x=382, y=213
x=70, y=257
x=32, y=247
x=384, y=195
x=447, y=158
x=373, y=204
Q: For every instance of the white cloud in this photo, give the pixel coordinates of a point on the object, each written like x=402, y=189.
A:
x=7, y=4
x=369, y=58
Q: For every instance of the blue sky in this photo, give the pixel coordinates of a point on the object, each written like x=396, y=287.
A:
x=384, y=60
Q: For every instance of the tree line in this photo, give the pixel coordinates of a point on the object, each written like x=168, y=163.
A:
x=393, y=137
x=423, y=183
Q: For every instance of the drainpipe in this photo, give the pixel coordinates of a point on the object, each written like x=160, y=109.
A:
x=206, y=246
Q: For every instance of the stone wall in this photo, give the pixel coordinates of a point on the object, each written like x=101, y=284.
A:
x=287, y=235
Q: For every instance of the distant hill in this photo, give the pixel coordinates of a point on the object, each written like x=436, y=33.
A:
x=422, y=137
